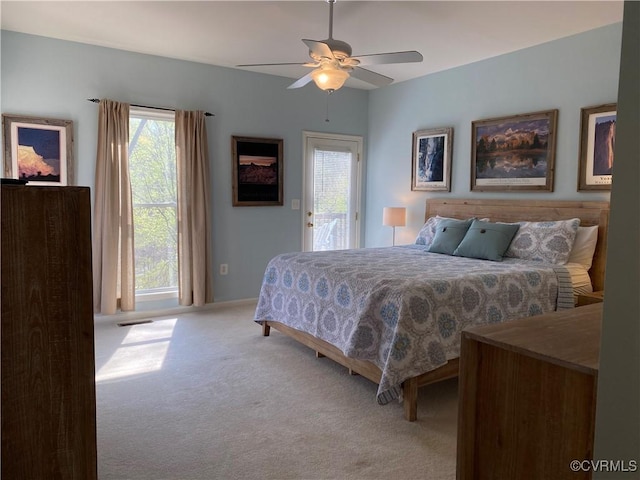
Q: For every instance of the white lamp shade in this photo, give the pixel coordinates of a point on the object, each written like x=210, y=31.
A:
x=330, y=79
x=394, y=216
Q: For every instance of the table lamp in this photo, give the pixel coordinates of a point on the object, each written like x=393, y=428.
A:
x=394, y=217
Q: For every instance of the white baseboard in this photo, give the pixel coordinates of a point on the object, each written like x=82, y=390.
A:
x=138, y=315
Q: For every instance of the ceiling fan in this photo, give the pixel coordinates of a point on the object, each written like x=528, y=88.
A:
x=333, y=63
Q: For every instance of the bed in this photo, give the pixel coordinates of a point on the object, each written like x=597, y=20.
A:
x=394, y=314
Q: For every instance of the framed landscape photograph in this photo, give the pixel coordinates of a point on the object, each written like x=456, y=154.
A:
x=514, y=153
x=38, y=150
x=257, y=171
x=431, y=159
x=597, y=141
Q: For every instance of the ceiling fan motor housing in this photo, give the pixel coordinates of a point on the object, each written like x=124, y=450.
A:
x=340, y=49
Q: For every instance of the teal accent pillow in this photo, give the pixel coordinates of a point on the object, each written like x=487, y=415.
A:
x=449, y=234
x=487, y=240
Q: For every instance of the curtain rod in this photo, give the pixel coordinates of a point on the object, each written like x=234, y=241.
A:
x=97, y=100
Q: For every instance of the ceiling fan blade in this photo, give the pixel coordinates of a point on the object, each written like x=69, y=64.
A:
x=394, y=57
x=371, y=77
x=272, y=64
x=318, y=49
x=301, y=82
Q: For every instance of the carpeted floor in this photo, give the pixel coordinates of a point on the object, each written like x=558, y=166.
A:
x=203, y=396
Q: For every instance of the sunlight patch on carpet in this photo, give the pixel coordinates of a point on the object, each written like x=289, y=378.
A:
x=143, y=350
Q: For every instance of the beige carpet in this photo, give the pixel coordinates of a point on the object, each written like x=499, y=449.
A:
x=204, y=396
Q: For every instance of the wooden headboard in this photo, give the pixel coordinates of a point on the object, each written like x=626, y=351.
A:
x=589, y=213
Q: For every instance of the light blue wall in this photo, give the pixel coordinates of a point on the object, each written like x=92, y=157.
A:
x=566, y=74
x=52, y=78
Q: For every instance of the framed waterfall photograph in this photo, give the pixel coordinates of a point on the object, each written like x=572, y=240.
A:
x=431, y=159
x=597, y=141
x=37, y=150
x=257, y=171
x=514, y=153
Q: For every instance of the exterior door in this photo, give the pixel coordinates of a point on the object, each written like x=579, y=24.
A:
x=332, y=170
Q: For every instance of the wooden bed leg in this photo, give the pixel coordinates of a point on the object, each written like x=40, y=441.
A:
x=266, y=329
x=353, y=372
x=319, y=355
x=410, y=399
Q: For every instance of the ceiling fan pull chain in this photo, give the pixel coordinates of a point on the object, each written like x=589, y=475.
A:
x=326, y=118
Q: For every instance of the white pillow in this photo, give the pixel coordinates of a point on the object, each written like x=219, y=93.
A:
x=584, y=246
x=580, y=279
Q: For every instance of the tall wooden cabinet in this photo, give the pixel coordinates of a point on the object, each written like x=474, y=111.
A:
x=47, y=350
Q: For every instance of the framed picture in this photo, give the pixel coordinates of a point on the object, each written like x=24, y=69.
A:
x=38, y=150
x=257, y=171
x=431, y=159
x=514, y=153
x=597, y=140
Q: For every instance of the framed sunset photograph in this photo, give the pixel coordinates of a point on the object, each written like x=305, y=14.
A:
x=514, y=153
x=257, y=171
x=38, y=151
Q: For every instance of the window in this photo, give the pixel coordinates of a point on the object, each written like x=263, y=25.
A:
x=152, y=166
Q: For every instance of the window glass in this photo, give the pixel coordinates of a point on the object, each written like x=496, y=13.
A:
x=152, y=166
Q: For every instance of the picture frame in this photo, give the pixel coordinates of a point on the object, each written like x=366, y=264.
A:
x=431, y=159
x=257, y=171
x=597, y=140
x=514, y=153
x=38, y=150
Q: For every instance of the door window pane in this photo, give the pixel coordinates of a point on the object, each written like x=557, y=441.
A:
x=332, y=180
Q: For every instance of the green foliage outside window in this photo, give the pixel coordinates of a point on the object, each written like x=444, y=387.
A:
x=152, y=166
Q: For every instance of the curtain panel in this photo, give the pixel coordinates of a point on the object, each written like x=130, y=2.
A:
x=113, y=259
x=194, y=247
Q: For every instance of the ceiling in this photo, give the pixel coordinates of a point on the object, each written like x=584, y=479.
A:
x=229, y=33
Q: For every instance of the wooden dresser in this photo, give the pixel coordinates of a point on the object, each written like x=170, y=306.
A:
x=47, y=349
x=528, y=396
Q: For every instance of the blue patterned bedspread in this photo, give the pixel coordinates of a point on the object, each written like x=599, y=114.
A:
x=402, y=308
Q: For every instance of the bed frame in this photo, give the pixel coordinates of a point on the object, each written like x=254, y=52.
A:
x=589, y=213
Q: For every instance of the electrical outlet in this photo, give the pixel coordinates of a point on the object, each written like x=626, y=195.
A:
x=224, y=269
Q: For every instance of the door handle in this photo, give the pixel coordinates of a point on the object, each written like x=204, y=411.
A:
x=309, y=214
x=309, y=224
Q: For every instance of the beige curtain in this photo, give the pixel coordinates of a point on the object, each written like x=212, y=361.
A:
x=113, y=263
x=194, y=257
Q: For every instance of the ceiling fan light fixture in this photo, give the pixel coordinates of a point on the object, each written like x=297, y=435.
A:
x=329, y=79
